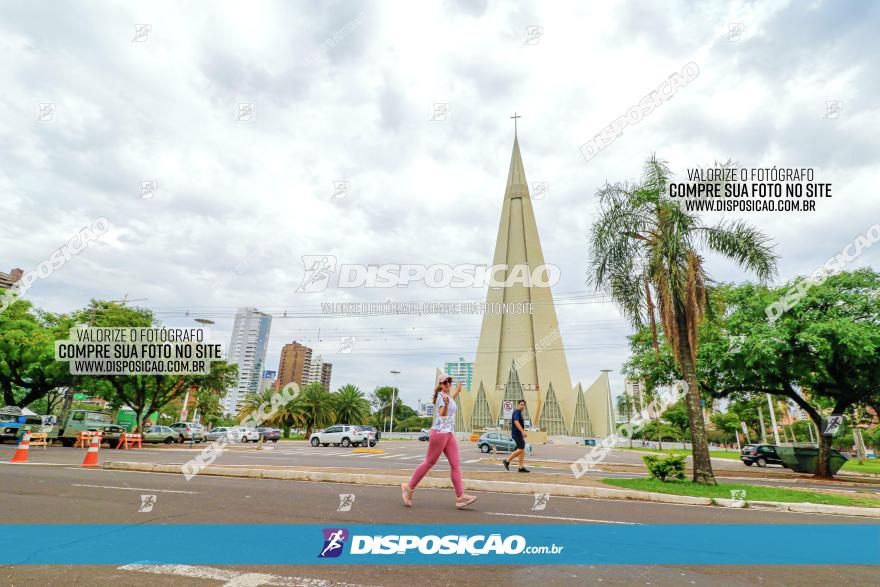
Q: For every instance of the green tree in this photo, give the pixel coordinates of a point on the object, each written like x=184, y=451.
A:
x=350, y=405
x=626, y=410
x=28, y=369
x=823, y=353
x=209, y=393
x=643, y=247
x=144, y=393
x=677, y=416
x=380, y=400
x=252, y=403
x=314, y=407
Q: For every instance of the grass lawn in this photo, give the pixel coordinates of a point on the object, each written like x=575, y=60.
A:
x=753, y=492
x=731, y=454
x=870, y=466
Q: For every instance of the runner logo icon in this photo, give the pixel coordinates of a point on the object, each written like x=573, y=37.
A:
x=334, y=542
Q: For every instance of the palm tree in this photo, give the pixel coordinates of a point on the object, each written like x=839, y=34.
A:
x=625, y=409
x=643, y=247
x=314, y=406
x=350, y=405
x=252, y=402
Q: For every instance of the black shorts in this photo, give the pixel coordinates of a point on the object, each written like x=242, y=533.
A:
x=520, y=442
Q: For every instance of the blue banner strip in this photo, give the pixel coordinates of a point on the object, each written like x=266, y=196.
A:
x=554, y=544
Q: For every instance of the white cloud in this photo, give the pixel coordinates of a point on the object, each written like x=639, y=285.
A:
x=257, y=194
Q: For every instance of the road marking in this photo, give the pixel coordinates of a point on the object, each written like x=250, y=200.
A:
x=562, y=518
x=131, y=488
x=231, y=578
x=472, y=461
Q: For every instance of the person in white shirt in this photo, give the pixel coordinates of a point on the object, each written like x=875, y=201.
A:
x=442, y=440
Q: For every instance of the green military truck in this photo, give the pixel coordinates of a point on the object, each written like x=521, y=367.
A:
x=67, y=430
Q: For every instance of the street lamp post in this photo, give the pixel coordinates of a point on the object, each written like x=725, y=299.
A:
x=393, y=400
x=192, y=439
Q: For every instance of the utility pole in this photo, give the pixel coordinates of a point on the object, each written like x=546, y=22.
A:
x=761, y=422
x=393, y=396
x=773, y=419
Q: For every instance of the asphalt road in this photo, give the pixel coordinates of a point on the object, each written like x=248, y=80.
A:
x=63, y=494
x=398, y=455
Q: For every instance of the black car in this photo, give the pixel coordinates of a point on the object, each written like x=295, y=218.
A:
x=376, y=434
x=760, y=454
x=268, y=434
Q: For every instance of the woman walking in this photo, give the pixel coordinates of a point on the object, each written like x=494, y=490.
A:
x=441, y=440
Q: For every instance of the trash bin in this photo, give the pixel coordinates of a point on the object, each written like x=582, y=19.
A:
x=802, y=459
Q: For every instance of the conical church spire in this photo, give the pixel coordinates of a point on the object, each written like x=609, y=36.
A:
x=517, y=186
x=530, y=340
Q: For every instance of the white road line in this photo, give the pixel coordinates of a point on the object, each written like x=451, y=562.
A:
x=232, y=578
x=473, y=461
x=131, y=488
x=562, y=518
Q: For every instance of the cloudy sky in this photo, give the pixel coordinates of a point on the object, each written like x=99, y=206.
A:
x=98, y=98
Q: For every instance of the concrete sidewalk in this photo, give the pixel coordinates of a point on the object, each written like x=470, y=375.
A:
x=488, y=481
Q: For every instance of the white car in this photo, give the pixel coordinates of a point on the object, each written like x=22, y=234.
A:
x=249, y=434
x=231, y=433
x=343, y=435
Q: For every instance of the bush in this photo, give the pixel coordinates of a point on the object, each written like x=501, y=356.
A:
x=670, y=467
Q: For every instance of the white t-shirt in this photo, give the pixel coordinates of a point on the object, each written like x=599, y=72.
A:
x=444, y=423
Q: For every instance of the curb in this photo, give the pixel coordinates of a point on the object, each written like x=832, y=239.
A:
x=500, y=487
x=430, y=482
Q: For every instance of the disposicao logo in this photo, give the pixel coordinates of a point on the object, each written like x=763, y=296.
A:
x=334, y=542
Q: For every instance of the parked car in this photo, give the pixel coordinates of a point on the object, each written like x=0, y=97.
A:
x=231, y=433
x=500, y=441
x=342, y=435
x=160, y=434
x=760, y=454
x=424, y=435
x=268, y=434
x=111, y=434
x=249, y=434
x=186, y=431
x=376, y=434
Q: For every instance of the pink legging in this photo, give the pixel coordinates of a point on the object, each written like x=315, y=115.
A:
x=440, y=442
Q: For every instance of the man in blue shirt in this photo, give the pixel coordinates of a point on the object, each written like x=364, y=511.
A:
x=518, y=432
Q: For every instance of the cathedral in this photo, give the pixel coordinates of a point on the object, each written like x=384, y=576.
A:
x=521, y=355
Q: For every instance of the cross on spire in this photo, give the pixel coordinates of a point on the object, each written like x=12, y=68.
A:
x=514, y=117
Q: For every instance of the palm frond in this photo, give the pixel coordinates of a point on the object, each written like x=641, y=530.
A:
x=746, y=245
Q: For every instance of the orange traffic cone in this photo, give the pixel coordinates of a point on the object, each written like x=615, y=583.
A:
x=91, y=459
x=21, y=455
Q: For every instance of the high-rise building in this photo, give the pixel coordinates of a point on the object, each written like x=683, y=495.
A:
x=295, y=363
x=326, y=373
x=461, y=371
x=8, y=280
x=636, y=391
x=247, y=349
x=319, y=372
x=520, y=354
